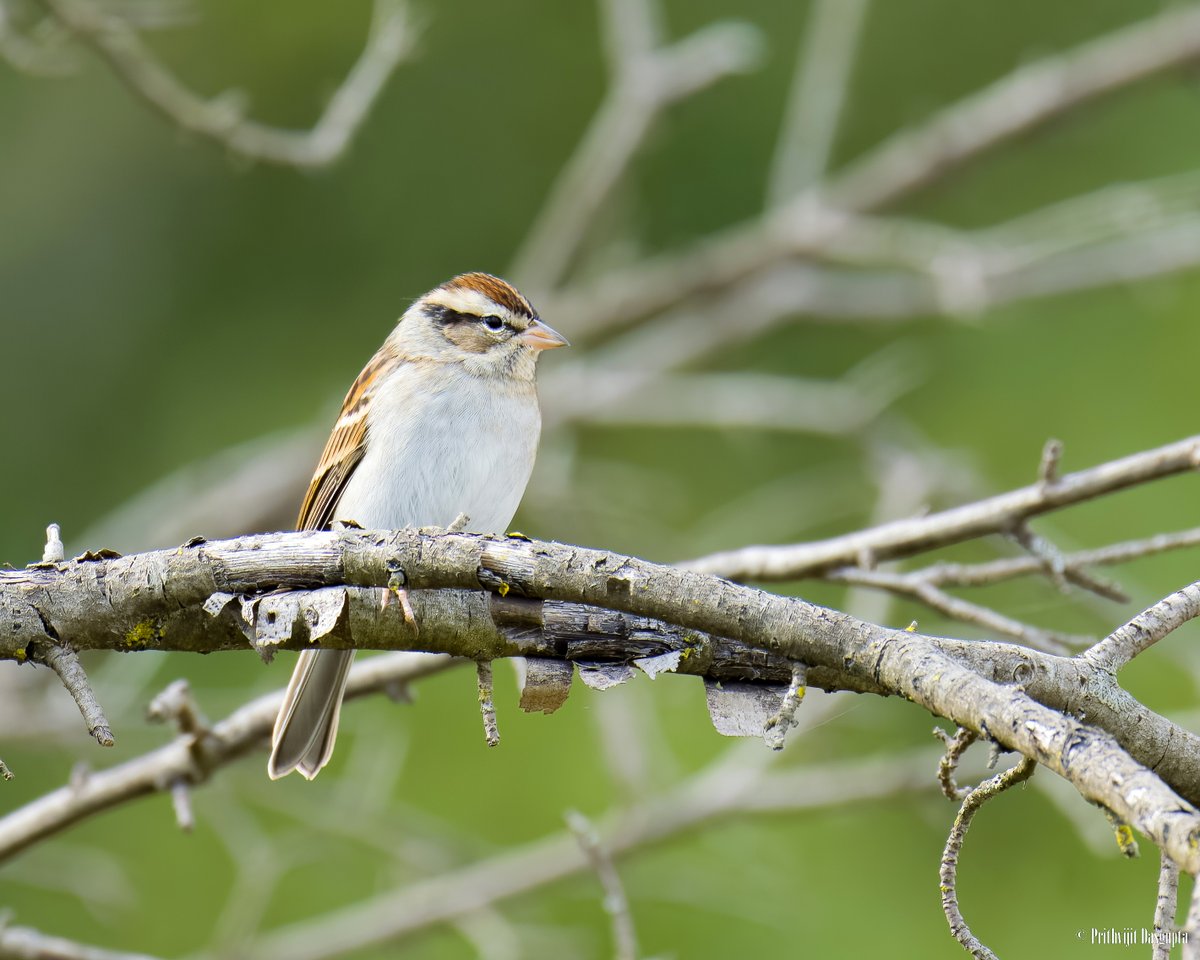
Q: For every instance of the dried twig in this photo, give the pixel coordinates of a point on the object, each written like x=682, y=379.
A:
x=1056, y=567
x=1051, y=455
x=177, y=705
x=53, y=551
x=819, y=88
x=948, y=872
x=776, y=728
x=181, y=803
x=1164, y=908
x=487, y=704
x=916, y=586
x=1029, y=96
x=1146, y=629
x=646, y=79
x=711, y=794
x=616, y=904
x=244, y=730
x=221, y=119
x=42, y=56
x=992, y=515
x=25, y=943
x=65, y=662
x=996, y=571
x=956, y=746
x=1190, y=934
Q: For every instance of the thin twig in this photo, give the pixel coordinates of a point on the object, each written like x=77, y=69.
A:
x=25, y=943
x=591, y=392
x=819, y=88
x=1191, y=926
x=913, y=535
x=949, y=866
x=40, y=57
x=1146, y=629
x=645, y=80
x=487, y=703
x=242, y=731
x=956, y=746
x=1051, y=455
x=1029, y=96
x=616, y=904
x=181, y=803
x=53, y=551
x=221, y=119
x=711, y=794
x=1060, y=572
x=1164, y=908
x=776, y=728
x=65, y=662
x=177, y=705
x=996, y=571
x=917, y=587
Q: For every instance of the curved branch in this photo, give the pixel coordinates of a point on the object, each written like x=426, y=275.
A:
x=152, y=586
x=221, y=119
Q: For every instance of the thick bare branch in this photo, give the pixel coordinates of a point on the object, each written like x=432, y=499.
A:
x=919, y=668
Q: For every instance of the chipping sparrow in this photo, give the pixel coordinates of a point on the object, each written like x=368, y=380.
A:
x=442, y=421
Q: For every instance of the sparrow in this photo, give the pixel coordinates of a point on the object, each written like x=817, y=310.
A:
x=442, y=421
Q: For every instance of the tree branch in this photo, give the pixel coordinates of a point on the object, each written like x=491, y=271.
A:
x=645, y=80
x=191, y=758
x=25, y=943
x=714, y=793
x=975, y=799
x=221, y=119
x=74, y=598
x=1022, y=100
x=997, y=514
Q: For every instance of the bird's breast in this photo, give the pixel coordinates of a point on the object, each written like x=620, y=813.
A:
x=464, y=445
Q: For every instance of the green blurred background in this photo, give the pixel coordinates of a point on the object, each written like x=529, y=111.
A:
x=162, y=302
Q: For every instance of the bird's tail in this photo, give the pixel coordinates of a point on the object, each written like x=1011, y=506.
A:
x=308, y=720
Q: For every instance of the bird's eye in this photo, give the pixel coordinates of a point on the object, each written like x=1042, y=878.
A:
x=492, y=322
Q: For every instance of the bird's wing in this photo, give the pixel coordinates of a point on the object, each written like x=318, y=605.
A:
x=345, y=447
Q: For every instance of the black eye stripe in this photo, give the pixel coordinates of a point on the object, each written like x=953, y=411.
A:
x=443, y=316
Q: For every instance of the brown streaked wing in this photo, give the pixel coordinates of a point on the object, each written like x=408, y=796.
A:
x=345, y=447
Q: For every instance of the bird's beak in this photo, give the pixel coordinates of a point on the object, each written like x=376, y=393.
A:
x=541, y=337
